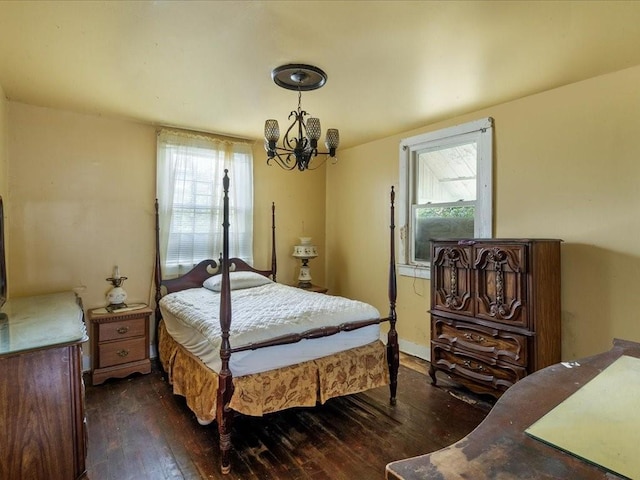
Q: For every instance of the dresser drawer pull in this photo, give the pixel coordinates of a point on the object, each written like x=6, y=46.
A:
x=123, y=353
x=122, y=330
x=475, y=338
x=477, y=367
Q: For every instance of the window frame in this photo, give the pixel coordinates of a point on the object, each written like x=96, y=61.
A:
x=479, y=130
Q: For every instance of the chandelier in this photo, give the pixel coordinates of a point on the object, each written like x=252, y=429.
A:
x=298, y=151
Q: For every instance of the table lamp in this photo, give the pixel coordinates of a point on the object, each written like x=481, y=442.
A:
x=305, y=251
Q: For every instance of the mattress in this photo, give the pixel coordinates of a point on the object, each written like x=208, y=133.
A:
x=192, y=318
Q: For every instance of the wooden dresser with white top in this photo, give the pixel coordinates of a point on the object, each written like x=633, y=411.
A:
x=42, y=419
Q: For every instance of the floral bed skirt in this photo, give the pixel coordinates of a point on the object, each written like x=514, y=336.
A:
x=301, y=385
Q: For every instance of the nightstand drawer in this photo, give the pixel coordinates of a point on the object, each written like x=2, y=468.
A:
x=125, y=351
x=122, y=329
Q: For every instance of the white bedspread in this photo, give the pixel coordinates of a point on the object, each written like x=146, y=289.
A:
x=192, y=317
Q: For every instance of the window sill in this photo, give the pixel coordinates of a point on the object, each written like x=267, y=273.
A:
x=414, y=271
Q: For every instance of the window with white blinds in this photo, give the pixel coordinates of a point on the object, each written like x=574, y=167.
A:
x=190, y=192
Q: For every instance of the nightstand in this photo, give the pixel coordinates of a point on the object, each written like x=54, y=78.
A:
x=120, y=343
x=315, y=288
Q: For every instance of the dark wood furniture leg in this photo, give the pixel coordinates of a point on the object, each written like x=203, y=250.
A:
x=432, y=374
x=393, y=349
x=224, y=414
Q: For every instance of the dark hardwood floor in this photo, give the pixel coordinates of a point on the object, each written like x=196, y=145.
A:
x=137, y=429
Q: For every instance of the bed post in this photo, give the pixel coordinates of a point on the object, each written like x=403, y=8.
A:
x=158, y=281
x=224, y=414
x=393, y=350
x=274, y=263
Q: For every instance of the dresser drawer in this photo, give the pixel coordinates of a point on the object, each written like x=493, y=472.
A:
x=125, y=351
x=134, y=327
x=478, y=374
x=486, y=341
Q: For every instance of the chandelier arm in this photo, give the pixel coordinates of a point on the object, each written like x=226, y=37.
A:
x=326, y=156
x=286, y=140
x=289, y=148
x=317, y=165
x=287, y=160
x=284, y=163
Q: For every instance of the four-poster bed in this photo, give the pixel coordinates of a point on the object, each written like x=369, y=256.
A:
x=285, y=348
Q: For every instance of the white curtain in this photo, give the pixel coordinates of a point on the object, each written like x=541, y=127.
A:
x=190, y=169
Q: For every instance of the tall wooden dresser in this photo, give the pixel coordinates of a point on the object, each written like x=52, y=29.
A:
x=42, y=419
x=495, y=310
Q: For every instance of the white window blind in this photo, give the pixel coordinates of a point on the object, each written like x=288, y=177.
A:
x=189, y=187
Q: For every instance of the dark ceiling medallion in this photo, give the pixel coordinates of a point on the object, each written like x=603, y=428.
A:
x=297, y=76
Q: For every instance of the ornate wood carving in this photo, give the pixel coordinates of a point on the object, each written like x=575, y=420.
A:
x=500, y=287
x=453, y=285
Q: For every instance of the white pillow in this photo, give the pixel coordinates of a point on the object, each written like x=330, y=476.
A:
x=238, y=281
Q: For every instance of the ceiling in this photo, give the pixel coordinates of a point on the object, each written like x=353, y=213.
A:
x=392, y=65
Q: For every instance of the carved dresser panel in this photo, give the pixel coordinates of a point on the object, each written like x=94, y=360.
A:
x=495, y=310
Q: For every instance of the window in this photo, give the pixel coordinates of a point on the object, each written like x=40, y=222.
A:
x=445, y=190
x=189, y=188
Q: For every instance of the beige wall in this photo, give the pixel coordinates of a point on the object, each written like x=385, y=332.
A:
x=4, y=154
x=300, y=204
x=566, y=166
x=81, y=201
x=81, y=189
x=4, y=144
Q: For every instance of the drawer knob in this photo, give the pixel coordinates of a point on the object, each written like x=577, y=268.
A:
x=123, y=353
x=476, y=367
x=122, y=330
x=475, y=338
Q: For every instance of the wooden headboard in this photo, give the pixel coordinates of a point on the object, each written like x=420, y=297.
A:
x=208, y=268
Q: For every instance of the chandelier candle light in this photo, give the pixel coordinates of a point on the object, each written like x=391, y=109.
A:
x=297, y=152
x=305, y=251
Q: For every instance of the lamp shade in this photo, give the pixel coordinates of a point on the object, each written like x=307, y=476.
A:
x=271, y=130
x=333, y=138
x=305, y=249
x=313, y=128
